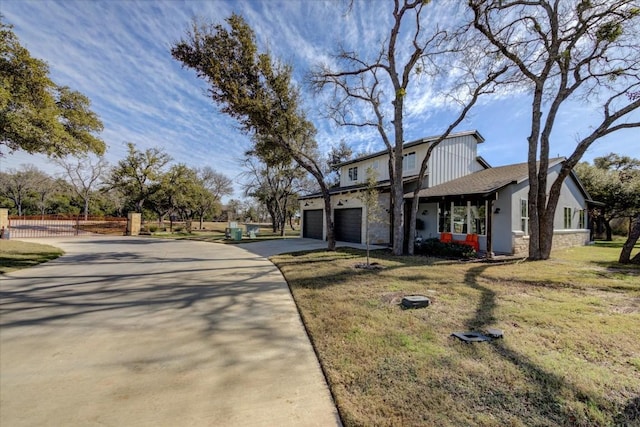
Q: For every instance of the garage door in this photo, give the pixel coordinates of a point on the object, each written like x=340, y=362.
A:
x=348, y=225
x=312, y=224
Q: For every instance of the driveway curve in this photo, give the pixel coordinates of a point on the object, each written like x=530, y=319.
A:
x=147, y=332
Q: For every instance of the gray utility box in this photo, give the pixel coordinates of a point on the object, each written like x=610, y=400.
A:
x=233, y=233
x=415, y=301
x=252, y=229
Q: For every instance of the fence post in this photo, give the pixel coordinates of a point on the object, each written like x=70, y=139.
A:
x=134, y=221
x=4, y=222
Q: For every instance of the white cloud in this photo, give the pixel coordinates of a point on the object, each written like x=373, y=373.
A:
x=118, y=54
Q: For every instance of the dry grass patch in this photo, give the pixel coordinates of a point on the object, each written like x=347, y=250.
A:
x=570, y=355
x=15, y=255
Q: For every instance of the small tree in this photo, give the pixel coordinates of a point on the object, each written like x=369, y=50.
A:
x=83, y=174
x=370, y=198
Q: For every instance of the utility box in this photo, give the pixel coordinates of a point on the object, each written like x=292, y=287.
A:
x=415, y=301
x=252, y=230
x=233, y=233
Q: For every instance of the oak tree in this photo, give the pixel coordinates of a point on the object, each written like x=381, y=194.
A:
x=568, y=52
x=36, y=115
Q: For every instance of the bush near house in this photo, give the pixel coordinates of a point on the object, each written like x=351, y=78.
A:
x=436, y=248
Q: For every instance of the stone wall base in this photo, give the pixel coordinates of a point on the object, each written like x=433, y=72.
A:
x=561, y=239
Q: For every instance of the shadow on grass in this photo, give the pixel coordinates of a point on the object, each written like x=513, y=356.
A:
x=26, y=260
x=551, y=396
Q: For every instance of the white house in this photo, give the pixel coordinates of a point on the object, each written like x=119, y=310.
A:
x=461, y=195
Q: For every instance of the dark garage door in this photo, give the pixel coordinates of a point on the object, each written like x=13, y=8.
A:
x=348, y=225
x=312, y=224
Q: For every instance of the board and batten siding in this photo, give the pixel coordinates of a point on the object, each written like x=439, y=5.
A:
x=452, y=158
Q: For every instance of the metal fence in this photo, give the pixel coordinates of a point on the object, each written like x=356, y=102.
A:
x=64, y=225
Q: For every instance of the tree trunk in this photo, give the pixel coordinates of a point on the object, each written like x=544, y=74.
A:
x=609, y=231
x=397, y=194
x=412, y=222
x=331, y=238
x=625, y=254
x=86, y=209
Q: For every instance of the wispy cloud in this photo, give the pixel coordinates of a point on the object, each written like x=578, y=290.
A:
x=118, y=54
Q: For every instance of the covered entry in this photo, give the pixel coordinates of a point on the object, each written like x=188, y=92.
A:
x=348, y=225
x=312, y=224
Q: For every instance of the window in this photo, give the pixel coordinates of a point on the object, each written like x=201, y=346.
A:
x=478, y=216
x=582, y=219
x=444, y=220
x=524, y=216
x=353, y=174
x=375, y=165
x=460, y=217
x=567, y=217
x=409, y=161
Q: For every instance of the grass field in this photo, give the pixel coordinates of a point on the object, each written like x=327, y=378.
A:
x=215, y=232
x=15, y=254
x=570, y=355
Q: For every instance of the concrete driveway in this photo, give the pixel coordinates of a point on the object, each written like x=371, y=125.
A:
x=135, y=331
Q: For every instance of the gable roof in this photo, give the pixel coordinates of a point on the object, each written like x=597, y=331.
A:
x=473, y=133
x=482, y=183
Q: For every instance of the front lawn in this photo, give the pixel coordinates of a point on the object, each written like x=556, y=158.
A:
x=15, y=254
x=570, y=353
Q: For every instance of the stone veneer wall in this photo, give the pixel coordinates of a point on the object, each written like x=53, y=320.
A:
x=561, y=239
x=379, y=230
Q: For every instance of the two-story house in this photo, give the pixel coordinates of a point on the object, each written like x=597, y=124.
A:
x=461, y=195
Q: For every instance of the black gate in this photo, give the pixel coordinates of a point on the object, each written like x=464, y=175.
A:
x=64, y=225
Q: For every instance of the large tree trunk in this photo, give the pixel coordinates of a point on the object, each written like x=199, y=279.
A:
x=415, y=202
x=625, y=254
x=331, y=238
x=397, y=190
x=609, y=231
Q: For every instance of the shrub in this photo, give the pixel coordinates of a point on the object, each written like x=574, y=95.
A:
x=434, y=247
x=152, y=228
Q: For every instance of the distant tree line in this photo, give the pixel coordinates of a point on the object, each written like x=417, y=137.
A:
x=144, y=181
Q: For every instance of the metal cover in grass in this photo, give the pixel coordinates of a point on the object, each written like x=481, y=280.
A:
x=415, y=301
x=471, y=336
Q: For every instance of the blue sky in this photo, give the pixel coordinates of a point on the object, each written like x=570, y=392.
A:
x=117, y=52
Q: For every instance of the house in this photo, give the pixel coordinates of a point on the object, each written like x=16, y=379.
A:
x=461, y=194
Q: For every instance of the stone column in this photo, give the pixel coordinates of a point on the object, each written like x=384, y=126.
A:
x=134, y=222
x=4, y=222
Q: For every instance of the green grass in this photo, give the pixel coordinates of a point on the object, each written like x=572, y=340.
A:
x=570, y=355
x=215, y=232
x=15, y=255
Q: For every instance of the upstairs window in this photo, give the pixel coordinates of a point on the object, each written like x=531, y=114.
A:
x=353, y=174
x=409, y=161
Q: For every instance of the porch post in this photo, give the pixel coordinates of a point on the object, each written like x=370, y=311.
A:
x=489, y=230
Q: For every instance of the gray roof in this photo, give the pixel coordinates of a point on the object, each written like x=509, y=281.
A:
x=483, y=182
